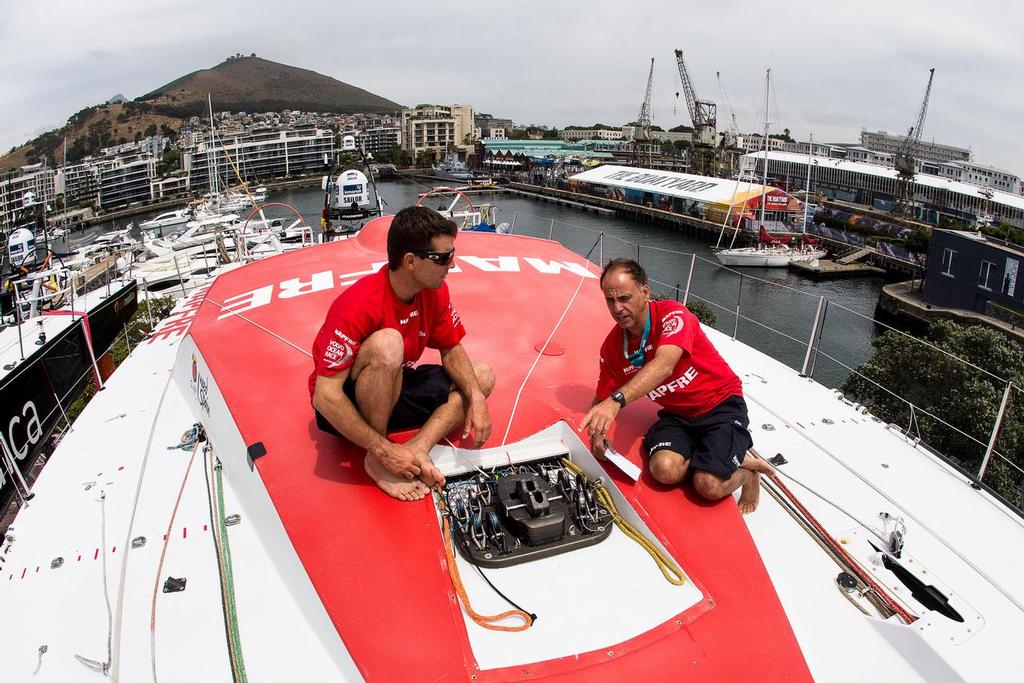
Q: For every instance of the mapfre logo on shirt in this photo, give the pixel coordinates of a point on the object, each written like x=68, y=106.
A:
x=672, y=323
x=339, y=350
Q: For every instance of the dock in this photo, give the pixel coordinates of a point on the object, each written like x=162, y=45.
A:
x=829, y=269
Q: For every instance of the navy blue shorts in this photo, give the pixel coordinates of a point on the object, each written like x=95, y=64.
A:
x=425, y=388
x=715, y=442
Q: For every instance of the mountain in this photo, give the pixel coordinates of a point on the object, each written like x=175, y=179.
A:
x=237, y=84
x=253, y=84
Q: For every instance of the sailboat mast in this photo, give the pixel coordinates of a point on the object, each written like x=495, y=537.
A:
x=211, y=160
x=807, y=190
x=764, y=183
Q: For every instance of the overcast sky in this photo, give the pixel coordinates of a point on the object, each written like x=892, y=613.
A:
x=836, y=67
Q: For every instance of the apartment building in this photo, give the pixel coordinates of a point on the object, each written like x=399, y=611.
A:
x=490, y=128
x=577, y=134
x=125, y=180
x=881, y=141
x=259, y=154
x=378, y=140
x=35, y=178
x=432, y=129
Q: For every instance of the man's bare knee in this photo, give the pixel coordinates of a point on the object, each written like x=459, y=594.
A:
x=668, y=467
x=384, y=349
x=484, y=376
x=708, y=486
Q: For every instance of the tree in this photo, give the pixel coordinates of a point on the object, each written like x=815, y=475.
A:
x=964, y=397
x=919, y=240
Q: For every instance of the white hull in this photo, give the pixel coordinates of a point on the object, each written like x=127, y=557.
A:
x=753, y=257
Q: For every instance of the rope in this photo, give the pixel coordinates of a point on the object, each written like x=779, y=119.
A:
x=847, y=559
x=258, y=326
x=565, y=311
x=485, y=621
x=160, y=565
x=991, y=581
x=115, y=664
x=227, y=580
x=876, y=600
x=672, y=573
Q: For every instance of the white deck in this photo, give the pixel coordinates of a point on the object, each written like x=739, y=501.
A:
x=65, y=608
x=867, y=468
x=857, y=462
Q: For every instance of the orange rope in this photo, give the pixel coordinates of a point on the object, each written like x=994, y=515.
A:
x=482, y=620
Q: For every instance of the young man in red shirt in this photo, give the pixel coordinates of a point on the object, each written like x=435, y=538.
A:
x=365, y=382
x=658, y=349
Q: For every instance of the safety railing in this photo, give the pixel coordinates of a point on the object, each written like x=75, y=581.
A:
x=829, y=340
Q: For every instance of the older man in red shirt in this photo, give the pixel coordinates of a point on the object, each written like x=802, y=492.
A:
x=657, y=349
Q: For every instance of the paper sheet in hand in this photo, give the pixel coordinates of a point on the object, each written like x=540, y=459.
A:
x=624, y=464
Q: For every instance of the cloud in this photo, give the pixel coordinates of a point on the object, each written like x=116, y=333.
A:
x=836, y=68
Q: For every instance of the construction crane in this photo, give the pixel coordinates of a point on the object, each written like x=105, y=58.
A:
x=642, y=127
x=704, y=116
x=905, y=161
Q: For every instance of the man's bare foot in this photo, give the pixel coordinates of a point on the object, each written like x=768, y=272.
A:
x=750, y=494
x=429, y=474
x=755, y=464
x=394, y=486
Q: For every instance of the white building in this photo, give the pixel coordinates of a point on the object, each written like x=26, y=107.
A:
x=576, y=134
x=260, y=154
x=429, y=128
x=881, y=141
x=982, y=176
x=754, y=142
x=35, y=178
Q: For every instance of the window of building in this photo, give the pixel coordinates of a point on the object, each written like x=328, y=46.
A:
x=984, y=275
x=947, y=261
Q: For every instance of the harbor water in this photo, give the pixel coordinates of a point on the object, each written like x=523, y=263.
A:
x=777, y=308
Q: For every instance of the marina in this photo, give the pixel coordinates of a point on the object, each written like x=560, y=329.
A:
x=264, y=481
x=577, y=367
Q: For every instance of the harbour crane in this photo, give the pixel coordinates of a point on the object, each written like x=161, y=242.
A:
x=642, y=127
x=704, y=116
x=904, y=159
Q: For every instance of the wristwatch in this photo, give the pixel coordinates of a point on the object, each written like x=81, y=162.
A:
x=619, y=398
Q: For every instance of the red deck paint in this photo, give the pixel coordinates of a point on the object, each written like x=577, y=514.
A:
x=357, y=545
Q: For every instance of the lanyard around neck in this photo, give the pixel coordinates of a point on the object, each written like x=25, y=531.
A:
x=638, y=357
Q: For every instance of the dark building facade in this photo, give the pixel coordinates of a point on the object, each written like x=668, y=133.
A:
x=976, y=273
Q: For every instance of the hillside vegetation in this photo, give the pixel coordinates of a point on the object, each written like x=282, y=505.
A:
x=240, y=83
x=89, y=131
x=253, y=84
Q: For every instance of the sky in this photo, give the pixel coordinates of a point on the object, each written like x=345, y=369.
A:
x=837, y=68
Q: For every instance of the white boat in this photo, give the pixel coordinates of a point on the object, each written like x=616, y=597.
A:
x=168, y=219
x=196, y=524
x=767, y=256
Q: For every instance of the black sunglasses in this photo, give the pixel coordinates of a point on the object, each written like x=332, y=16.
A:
x=441, y=258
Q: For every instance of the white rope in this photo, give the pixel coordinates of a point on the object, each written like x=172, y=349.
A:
x=257, y=325
x=515, y=404
x=115, y=661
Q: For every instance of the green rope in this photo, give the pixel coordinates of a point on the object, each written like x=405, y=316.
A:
x=227, y=579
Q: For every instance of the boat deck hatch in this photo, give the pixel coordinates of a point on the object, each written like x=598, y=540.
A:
x=517, y=514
